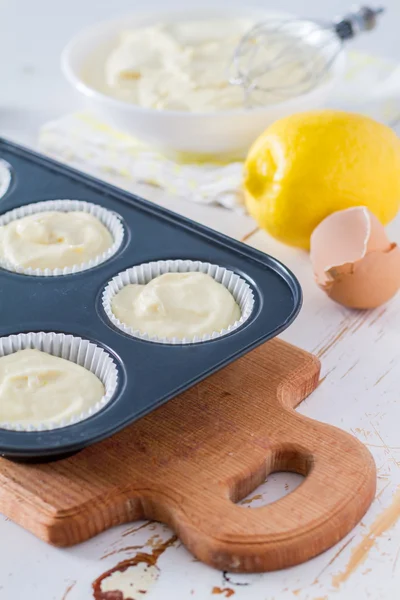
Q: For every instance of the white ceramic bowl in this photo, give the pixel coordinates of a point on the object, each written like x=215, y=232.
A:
x=222, y=133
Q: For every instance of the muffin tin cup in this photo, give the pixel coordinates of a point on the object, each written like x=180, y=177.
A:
x=5, y=177
x=109, y=219
x=144, y=273
x=75, y=349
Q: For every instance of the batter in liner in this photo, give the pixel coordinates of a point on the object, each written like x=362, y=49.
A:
x=53, y=239
x=37, y=387
x=181, y=305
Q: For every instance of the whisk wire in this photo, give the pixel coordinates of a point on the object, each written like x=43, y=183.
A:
x=286, y=57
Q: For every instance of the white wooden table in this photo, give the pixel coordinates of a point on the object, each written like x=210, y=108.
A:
x=359, y=390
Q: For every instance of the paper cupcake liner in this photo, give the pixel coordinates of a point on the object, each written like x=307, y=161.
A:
x=77, y=350
x=5, y=177
x=142, y=274
x=110, y=220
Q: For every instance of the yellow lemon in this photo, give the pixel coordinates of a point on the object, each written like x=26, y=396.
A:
x=309, y=165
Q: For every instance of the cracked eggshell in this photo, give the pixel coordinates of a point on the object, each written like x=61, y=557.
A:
x=353, y=260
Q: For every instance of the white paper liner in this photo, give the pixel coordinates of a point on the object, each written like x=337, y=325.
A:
x=80, y=351
x=5, y=177
x=142, y=274
x=109, y=219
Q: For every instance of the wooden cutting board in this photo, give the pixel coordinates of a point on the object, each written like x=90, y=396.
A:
x=187, y=463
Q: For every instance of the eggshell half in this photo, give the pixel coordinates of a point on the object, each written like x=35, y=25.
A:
x=353, y=260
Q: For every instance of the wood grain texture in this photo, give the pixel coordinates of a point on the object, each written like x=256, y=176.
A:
x=187, y=463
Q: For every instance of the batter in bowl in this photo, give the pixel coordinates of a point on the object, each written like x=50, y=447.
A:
x=186, y=66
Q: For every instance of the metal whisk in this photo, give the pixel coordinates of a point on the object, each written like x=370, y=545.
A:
x=282, y=58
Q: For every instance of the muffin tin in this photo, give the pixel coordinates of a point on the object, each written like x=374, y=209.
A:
x=149, y=373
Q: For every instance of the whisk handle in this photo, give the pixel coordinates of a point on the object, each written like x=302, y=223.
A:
x=362, y=18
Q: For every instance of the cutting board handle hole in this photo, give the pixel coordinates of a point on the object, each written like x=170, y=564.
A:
x=284, y=469
x=276, y=486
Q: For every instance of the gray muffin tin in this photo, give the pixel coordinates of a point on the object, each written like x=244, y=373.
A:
x=149, y=373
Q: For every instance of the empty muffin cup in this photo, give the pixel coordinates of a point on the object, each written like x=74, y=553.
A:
x=238, y=288
x=29, y=241
x=35, y=388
